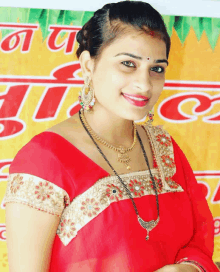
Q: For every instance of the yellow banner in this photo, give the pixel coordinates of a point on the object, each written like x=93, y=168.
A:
x=37, y=59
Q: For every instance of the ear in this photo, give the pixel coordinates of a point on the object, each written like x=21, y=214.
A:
x=87, y=64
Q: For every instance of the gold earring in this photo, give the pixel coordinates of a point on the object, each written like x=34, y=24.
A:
x=151, y=118
x=87, y=97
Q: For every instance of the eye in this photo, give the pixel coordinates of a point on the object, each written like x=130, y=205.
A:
x=158, y=69
x=123, y=62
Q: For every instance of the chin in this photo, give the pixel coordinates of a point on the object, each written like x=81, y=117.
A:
x=137, y=117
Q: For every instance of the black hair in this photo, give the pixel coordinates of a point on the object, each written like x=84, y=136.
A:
x=114, y=20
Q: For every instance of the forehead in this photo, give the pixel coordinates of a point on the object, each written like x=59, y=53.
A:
x=137, y=42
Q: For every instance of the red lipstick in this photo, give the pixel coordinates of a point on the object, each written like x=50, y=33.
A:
x=136, y=95
x=136, y=100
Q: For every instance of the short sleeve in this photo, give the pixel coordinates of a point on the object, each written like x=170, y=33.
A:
x=199, y=249
x=37, y=179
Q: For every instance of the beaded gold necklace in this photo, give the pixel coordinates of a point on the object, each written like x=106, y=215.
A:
x=122, y=151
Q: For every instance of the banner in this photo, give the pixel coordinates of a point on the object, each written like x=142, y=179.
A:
x=37, y=60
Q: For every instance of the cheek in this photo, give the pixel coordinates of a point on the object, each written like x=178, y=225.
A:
x=108, y=88
x=158, y=84
x=110, y=79
x=118, y=80
x=158, y=81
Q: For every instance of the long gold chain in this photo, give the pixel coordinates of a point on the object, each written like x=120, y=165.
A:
x=122, y=156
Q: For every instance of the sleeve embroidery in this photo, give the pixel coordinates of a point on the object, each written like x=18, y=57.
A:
x=37, y=193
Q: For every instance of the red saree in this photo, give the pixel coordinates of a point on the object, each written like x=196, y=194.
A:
x=99, y=230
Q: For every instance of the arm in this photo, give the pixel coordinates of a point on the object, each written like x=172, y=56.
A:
x=200, y=248
x=35, y=199
x=30, y=236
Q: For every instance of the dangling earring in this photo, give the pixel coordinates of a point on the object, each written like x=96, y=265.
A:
x=151, y=117
x=87, y=100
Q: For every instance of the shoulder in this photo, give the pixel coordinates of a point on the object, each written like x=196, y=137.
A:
x=72, y=124
x=49, y=156
x=71, y=130
x=45, y=156
x=38, y=174
x=37, y=178
x=35, y=155
x=39, y=158
x=47, y=145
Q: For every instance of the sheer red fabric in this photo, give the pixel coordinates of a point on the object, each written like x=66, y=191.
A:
x=114, y=240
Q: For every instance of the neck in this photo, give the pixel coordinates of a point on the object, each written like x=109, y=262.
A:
x=110, y=127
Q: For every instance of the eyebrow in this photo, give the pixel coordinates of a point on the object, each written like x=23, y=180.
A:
x=140, y=58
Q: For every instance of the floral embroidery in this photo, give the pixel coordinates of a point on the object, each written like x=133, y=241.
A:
x=16, y=183
x=171, y=183
x=136, y=187
x=168, y=161
x=150, y=185
x=67, y=228
x=154, y=162
x=159, y=185
x=44, y=190
x=114, y=192
x=36, y=192
x=163, y=139
x=90, y=207
x=56, y=200
x=66, y=200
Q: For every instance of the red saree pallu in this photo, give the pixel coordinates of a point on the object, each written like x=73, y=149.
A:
x=98, y=229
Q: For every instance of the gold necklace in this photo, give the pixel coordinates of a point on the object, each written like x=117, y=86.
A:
x=122, y=152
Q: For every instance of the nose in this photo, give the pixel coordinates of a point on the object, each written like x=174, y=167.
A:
x=143, y=82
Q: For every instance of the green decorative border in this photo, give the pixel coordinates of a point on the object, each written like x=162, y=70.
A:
x=46, y=17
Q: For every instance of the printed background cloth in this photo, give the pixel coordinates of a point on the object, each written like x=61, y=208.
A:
x=37, y=59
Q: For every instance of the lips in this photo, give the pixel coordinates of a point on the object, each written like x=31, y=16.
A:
x=140, y=102
x=135, y=96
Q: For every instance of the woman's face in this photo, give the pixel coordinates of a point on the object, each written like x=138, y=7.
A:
x=141, y=74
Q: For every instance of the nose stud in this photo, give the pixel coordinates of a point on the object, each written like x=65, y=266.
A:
x=148, y=58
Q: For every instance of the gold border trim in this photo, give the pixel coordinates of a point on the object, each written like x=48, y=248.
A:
x=37, y=193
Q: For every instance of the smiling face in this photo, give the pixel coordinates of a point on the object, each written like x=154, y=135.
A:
x=135, y=64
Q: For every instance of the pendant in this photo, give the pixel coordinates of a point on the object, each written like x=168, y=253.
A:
x=123, y=157
x=148, y=225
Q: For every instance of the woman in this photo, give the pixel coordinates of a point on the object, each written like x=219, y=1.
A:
x=100, y=192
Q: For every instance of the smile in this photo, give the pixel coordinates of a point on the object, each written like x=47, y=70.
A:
x=136, y=100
